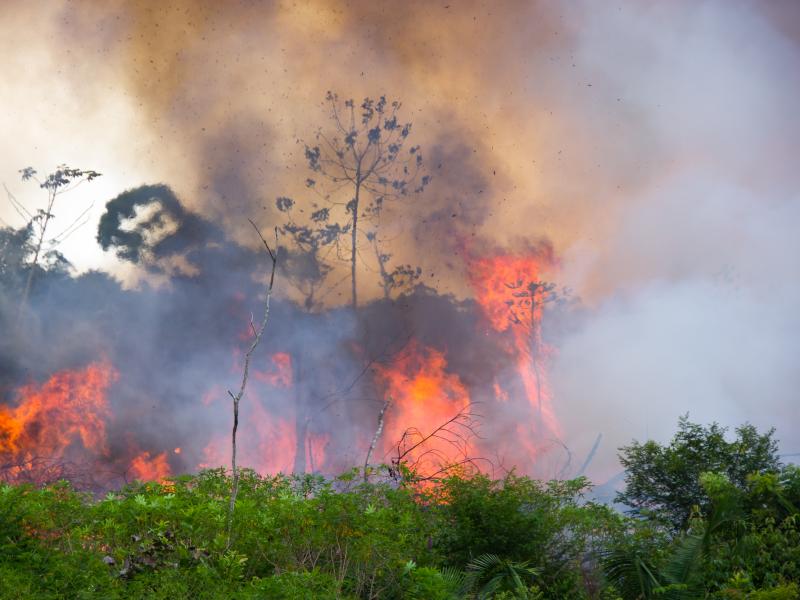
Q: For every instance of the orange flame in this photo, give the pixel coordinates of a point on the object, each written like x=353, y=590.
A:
x=281, y=373
x=316, y=445
x=424, y=396
x=68, y=410
x=265, y=443
x=147, y=468
x=512, y=297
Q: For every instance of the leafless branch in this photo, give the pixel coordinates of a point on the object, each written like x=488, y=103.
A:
x=240, y=394
x=415, y=454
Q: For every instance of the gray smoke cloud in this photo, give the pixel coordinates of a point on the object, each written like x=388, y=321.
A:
x=694, y=284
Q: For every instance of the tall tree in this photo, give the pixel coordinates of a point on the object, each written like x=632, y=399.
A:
x=665, y=481
x=60, y=181
x=362, y=161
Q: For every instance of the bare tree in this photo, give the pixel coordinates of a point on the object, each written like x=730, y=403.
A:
x=361, y=163
x=257, y=334
x=60, y=181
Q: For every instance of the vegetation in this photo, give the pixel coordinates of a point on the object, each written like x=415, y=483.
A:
x=60, y=181
x=362, y=162
x=460, y=537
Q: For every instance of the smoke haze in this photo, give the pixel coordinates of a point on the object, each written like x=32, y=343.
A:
x=653, y=146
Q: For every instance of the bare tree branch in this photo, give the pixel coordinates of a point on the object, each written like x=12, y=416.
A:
x=457, y=432
x=240, y=394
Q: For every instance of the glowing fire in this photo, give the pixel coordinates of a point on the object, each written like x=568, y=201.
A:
x=512, y=297
x=316, y=445
x=424, y=396
x=281, y=373
x=145, y=467
x=265, y=443
x=66, y=413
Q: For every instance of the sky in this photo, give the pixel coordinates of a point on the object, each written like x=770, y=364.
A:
x=654, y=144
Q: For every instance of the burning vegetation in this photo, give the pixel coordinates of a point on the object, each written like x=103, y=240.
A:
x=57, y=429
x=398, y=395
x=462, y=382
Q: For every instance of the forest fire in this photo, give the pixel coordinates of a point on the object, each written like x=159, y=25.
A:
x=145, y=467
x=269, y=440
x=512, y=296
x=425, y=423
x=429, y=387
x=280, y=375
x=57, y=421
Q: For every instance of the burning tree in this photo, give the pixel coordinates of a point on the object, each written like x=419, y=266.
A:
x=359, y=164
x=525, y=310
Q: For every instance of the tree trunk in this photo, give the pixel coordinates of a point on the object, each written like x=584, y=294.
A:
x=29, y=283
x=301, y=416
x=353, y=252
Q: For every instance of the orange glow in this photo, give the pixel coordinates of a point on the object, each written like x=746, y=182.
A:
x=280, y=375
x=147, y=468
x=424, y=396
x=316, y=444
x=512, y=295
x=68, y=411
x=264, y=442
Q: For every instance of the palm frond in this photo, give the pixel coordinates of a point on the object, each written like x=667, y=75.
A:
x=634, y=577
x=501, y=573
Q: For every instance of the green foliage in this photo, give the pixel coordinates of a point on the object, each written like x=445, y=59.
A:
x=463, y=537
x=546, y=525
x=741, y=587
x=488, y=574
x=428, y=583
x=664, y=481
x=303, y=585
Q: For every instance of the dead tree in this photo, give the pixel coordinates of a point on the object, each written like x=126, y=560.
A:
x=590, y=456
x=257, y=334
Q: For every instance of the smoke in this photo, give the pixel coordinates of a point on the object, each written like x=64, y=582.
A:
x=693, y=284
x=652, y=144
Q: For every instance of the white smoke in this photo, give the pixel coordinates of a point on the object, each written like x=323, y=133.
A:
x=695, y=285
